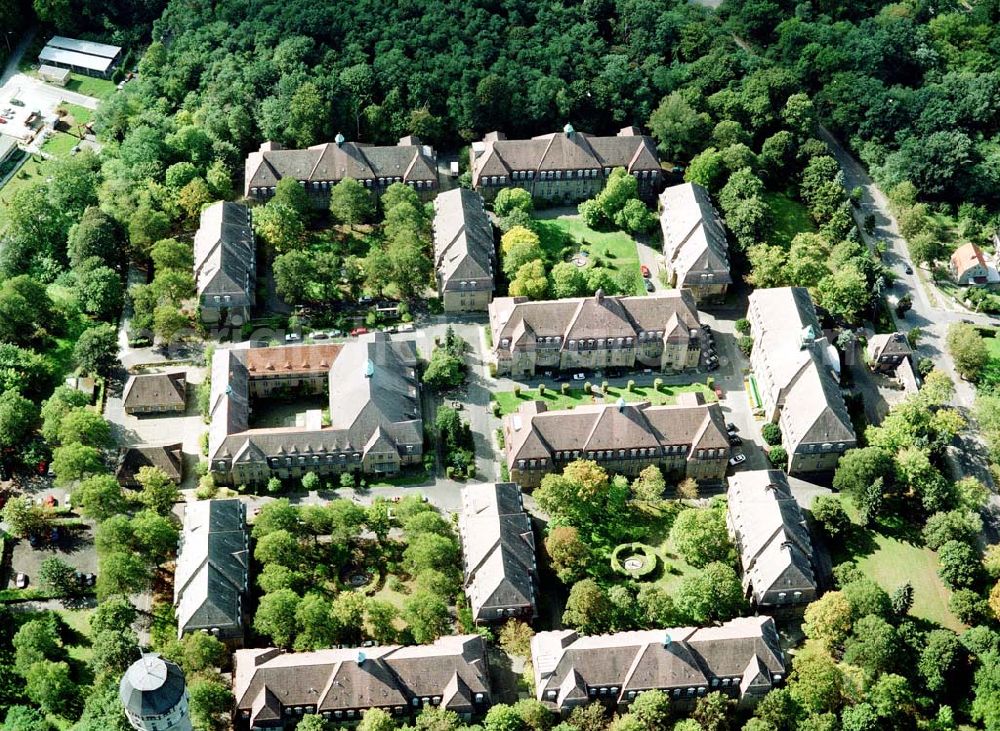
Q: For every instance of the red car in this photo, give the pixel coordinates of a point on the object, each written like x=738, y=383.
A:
x=50, y=501
x=359, y=331
x=645, y=271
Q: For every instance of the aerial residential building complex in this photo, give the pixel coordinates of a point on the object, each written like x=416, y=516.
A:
x=695, y=250
x=375, y=415
x=795, y=379
x=155, y=393
x=770, y=533
x=687, y=439
x=213, y=561
x=741, y=659
x=564, y=166
x=273, y=689
x=464, y=251
x=321, y=167
x=499, y=553
x=595, y=333
x=225, y=264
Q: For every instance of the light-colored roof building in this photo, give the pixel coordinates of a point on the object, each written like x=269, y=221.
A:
x=695, y=248
x=464, y=250
x=688, y=437
x=341, y=684
x=741, y=658
x=154, y=696
x=210, y=581
x=795, y=373
x=225, y=259
x=322, y=166
x=771, y=536
x=83, y=56
x=375, y=414
x=499, y=552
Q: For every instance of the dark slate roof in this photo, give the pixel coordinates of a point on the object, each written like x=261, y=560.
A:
x=210, y=580
x=168, y=457
x=463, y=241
x=224, y=254
x=155, y=390
x=151, y=686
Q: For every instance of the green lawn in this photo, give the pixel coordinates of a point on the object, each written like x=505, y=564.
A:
x=790, y=218
x=89, y=86
x=78, y=621
x=893, y=560
x=80, y=115
x=59, y=144
x=615, y=249
x=555, y=399
x=32, y=171
x=993, y=346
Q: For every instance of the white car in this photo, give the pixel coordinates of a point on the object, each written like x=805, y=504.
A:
x=21, y=582
x=406, y=327
x=738, y=459
x=579, y=376
x=292, y=338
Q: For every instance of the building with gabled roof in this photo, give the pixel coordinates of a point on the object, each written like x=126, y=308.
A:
x=375, y=425
x=795, y=373
x=167, y=457
x=212, y=574
x=464, y=251
x=225, y=263
x=741, y=659
x=886, y=351
x=499, y=553
x=968, y=265
x=565, y=166
x=155, y=393
x=687, y=438
x=320, y=167
x=695, y=249
x=772, y=539
x=273, y=688
x=659, y=331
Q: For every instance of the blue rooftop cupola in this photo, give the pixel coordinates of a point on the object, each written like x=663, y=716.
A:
x=667, y=640
x=369, y=368
x=620, y=403
x=361, y=658
x=568, y=130
x=339, y=139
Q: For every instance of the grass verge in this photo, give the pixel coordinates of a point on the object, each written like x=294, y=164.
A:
x=555, y=399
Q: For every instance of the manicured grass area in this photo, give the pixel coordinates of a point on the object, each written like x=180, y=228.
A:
x=992, y=346
x=60, y=144
x=89, y=86
x=78, y=621
x=32, y=171
x=62, y=354
x=790, y=218
x=555, y=399
x=615, y=249
x=892, y=559
x=673, y=569
x=80, y=115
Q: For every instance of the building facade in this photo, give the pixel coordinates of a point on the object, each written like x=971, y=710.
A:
x=968, y=265
x=154, y=695
x=155, y=393
x=771, y=536
x=687, y=439
x=660, y=331
x=375, y=424
x=225, y=264
x=168, y=457
x=695, y=249
x=498, y=547
x=212, y=574
x=886, y=351
x=320, y=167
x=273, y=689
x=741, y=659
x=564, y=167
x=796, y=375
x=464, y=251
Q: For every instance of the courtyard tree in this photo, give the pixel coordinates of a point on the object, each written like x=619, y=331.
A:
x=828, y=620
x=530, y=281
x=700, y=536
x=509, y=200
x=276, y=617
x=828, y=511
x=122, y=573
x=649, y=485
x=157, y=491
x=96, y=350
x=712, y=594
x=427, y=616
x=588, y=608
x=350, y=203
x=375, y=719
x=72, y=462
x=568, y=553
x=18, y=417
x=58, y=576
x=84, y=426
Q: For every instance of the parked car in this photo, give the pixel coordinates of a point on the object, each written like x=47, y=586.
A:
x=645, y=271
x=457, y=405
x=34, y=540
x=91, y=579
x=54, y=535
x=579, y=376
x=719, y=394
x=50, y=501
x=713, y=366
x=292, y=337
x=336, y=333
x=738, y=459
x=732, y=428
x=21, y=582
x=908, y=269
x=649, y=285
x=406, y=327
x=359, y=331
x=319, y=336
x=735, y=440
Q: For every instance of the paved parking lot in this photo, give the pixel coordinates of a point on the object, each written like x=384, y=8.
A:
x=163, y=428
x=75, y=547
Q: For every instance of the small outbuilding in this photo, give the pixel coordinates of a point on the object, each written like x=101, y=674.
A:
x=168, y=457
x=54, y=74
x=159, y=393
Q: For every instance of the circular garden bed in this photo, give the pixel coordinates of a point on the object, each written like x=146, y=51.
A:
x=636, y=560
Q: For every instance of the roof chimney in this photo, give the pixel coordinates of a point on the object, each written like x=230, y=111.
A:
x=599, y=295
x=568, y=130
x=667, y=640
x=339, y=139
x=620, y=403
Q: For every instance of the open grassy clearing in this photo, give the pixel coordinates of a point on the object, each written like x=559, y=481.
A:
x=615, y=249
x=892, y=560
x=90, y=86
x=77, y=114
x=34, y=170
x=790, y=218
x=555, y=399
x=60, y=144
